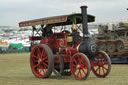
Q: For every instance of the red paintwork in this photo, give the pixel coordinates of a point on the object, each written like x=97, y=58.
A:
x=58, y=41
x=100, y=65
x=37, y=69
x=61, y=43
x=79, y=66
x=66, y=57
x=68, y=50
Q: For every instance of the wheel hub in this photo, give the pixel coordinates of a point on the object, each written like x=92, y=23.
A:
x=78, y=66
x=100, y=63
x=39, y=61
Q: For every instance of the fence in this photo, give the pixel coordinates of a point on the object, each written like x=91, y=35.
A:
x=14, y=50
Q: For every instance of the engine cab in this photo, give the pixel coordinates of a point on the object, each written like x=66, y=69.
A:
x=61, y=39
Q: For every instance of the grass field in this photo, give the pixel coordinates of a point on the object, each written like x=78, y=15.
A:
x=15, y=70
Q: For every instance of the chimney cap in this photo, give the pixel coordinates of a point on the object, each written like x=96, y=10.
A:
x=84, y=6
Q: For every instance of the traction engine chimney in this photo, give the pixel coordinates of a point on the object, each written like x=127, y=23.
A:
x=86, y=46
x=84, y=20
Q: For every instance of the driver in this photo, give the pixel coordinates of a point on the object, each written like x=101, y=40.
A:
x=47, y=31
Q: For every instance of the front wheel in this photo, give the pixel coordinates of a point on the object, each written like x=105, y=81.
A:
x=101, y=64
x=80, y=66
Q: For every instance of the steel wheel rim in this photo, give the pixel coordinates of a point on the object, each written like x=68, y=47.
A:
x=39, y=63
x=111, y=47
x=102, y=46
x=80, y=66
x=101, y=64
x=120, y=46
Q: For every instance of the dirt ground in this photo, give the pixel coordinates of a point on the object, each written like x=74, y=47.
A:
x=15, y=70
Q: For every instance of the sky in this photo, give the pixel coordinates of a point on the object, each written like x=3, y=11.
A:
x=105, y=11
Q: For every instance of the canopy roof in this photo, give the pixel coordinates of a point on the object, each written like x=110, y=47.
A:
x=57, y=20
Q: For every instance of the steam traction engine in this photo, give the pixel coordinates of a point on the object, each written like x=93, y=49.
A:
x=65, y=52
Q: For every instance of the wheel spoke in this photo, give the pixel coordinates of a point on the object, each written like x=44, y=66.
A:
x=44, y=58
x=80, y=73
x=81, y=59
x=75, y=61
x=45, y=64
x=36, y=66
x=35, y=57
x=35, y=60
x=97, y=69
x=83, y=62
x=84, y=67
x=46, y=61
x=38, y=52
x=40, y=70
x=43, y=54
x=73, y=64
x=84, y=71
x=105, y=68
x=44, y=71
x=37, y=70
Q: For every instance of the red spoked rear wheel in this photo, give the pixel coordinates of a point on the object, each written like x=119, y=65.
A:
x=80, y=66
x=41, y=61
x=101, y=65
